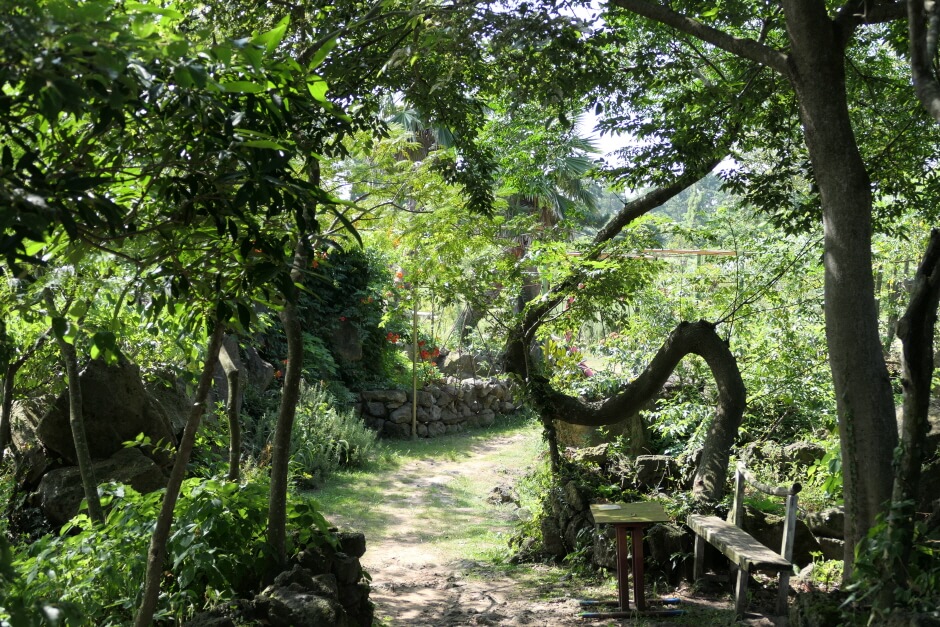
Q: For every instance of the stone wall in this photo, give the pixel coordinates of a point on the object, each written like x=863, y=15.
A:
x=446, y=407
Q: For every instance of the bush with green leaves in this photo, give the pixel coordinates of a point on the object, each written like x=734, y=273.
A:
x=324, y=439
x=93, y=575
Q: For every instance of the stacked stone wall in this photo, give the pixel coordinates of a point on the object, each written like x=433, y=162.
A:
x=449, y=406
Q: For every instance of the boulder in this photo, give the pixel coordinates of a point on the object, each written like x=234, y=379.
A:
x=590, y=455
x=260, y=372
x=459, y=364
x=605, y=547
x=803, y=454
x=667, y=543
x=655, y=472
x=576, y=496
x=352, y=543
x=828, y=522
x=61, y=492
x=552, y=542
x=345, y=342
x=389, y=397
x=768, y=530
x=25, y=417
x=169, y=396
x=115, y=407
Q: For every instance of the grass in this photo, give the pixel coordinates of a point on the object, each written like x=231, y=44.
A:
x=377, y=498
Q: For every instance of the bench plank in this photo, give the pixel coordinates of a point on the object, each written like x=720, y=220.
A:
x=739, y=547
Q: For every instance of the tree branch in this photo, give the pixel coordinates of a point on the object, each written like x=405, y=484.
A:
x=745, y=48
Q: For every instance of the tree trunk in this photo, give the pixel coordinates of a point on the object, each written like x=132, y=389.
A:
x=280, y=454
x=77, y=422
x=6, y=439
x=916, y=330
x=156, y=554
x=864, y=399
x=924, y=31
x=290, y=396
x=467, y=320
x=228, y=358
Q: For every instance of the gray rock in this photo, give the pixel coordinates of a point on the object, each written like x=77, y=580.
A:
x=61, y=491
x=655, y=472
x=768, y=530
x=487, y=418
x=436, y=428
x=346, y=568
x=116, y=408
x=352, y=543
x=401, y=415
x=459, y=364
x=666, y=542
x=804, y=453
x=260, y=372
x=374, y=408
x=829, y=522
x=576, y=528
x=575, y=496
x=605, y=547
x=345, y=342
x=291, y=607
x=385, y=396
x=552, y=541
x=832, y=548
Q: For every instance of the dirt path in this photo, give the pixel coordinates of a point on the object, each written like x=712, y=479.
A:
x=414, y=555
x=431, y=514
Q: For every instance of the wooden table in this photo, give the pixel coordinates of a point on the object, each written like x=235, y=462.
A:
x=635, y=517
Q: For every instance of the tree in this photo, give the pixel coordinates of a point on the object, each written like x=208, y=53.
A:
x=807, y=47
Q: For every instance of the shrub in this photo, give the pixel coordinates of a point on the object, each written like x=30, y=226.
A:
x=325, y=438
x=94, y=575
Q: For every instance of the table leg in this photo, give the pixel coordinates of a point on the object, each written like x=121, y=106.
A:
x=623, y=582
x=639, y=596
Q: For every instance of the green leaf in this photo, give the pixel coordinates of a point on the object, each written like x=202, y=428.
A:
x=321, y=54
x=273, y=37
x=140, y=7
x=263, y=143
x=242, y=87
x=318, y=88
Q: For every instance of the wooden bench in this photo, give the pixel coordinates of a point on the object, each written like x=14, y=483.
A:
x=746, y=553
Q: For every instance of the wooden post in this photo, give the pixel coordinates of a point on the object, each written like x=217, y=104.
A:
x=740, y=592
x=786, y=549
x=699, y=567
x=414, y=364
x=736, y=515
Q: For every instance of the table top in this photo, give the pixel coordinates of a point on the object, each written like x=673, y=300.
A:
x=623, y=513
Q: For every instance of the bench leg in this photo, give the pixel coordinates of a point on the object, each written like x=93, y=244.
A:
x=782, y=596
x=699, y=568
x=740, y=593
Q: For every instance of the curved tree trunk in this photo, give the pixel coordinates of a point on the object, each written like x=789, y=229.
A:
x=916, y=330
x=697, y=338
x=156, y=554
